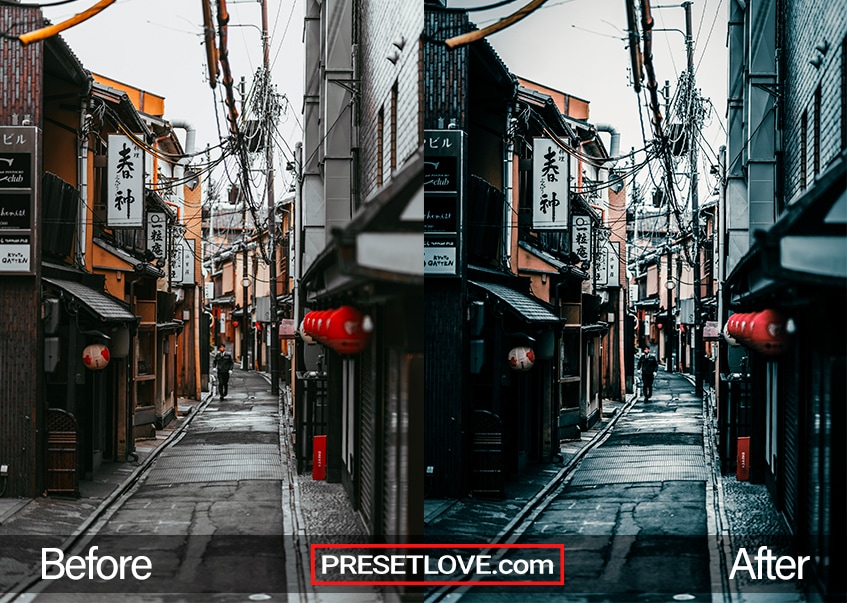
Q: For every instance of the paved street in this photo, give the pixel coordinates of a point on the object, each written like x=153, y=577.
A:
x=633, y=515
x=215, y=513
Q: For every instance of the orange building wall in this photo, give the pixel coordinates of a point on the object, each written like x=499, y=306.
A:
x=146, y=102
x=569, y=105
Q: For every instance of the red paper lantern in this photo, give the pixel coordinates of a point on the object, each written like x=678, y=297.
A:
x=521, y=358
x=304, y=334
x=345, y=332
x=96, y=356
x=234, y=324
x=767, y=332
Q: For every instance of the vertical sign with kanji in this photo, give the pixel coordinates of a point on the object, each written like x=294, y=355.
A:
x=613, y=272
x=125, y=183
x=177, y=263
x=187, y=261
x=608, y=271
x=157, y=234
x=581, y=237
x=550, y=175
x=444, y=177
x=19, y=181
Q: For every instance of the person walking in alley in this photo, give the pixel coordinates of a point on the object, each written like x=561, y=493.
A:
x=223, y=362
x=648, y=365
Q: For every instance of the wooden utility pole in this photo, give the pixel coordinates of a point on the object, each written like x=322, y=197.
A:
x=693, y=125
x=269, y=156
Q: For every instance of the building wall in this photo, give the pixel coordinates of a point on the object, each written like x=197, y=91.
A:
x=807, y=25
x=19, y=299
x=382, y=24
x=446, y=82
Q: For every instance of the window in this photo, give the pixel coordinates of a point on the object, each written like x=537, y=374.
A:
x=380, y=136
x=804, y=121
x=816, y=150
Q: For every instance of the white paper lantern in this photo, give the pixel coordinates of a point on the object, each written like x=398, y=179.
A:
x=521, y=358
x=96, y=356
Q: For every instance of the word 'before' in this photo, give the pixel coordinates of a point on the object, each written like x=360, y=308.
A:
x=54, y=566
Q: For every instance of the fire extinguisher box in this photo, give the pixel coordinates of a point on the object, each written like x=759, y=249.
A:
x=319, y=458
x=742, y=468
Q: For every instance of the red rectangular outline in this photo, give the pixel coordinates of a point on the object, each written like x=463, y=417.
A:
x=313, y=562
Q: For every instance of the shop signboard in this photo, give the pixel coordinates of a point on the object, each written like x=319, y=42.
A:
x=19, y=182
x=581, y=237
x=444, y=184
x=124, y=183
x=157, y=234
x=608, y=265
x=550, y=181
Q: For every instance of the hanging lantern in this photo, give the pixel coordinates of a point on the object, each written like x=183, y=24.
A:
x=521, y=358
x=767, y=332
x=304, y=334
x=234, y=324
x=726, y=335
x=345, y=332
x=96, y=356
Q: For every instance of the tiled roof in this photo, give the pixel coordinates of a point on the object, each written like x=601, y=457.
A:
x=104, y=306
x=529, y=309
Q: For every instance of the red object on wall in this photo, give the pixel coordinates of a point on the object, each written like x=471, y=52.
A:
x=234, y=324
x=763, y=331
x=742, y=467
x=767, y=332
x=319, y=458
x=344, y=331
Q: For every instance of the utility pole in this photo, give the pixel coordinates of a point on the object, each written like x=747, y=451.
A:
x=693, y=123
x=269, y=156
x=245, y=282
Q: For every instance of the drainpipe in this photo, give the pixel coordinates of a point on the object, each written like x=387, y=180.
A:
x=615, y=146
x=190, y=135
x=82, y=181
x=508, y=167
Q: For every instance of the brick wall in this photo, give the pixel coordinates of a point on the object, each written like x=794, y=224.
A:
x=21, y=71
x=808, y=24
x=21, y=77
x=382, y=23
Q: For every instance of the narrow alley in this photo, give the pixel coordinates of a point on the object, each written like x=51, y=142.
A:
x=218, y=509
x=634, y=510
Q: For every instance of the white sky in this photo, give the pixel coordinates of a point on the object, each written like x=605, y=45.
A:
x=157, y=45
x=576, y=46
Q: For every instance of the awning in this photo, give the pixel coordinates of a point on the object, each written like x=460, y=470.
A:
x=529, y=309
x=807, y=245
x=105, y=307
x=561, y=266
x=173, y=325
x=385, y=240
x=140, y=266
x=222, y=301
x=647, y=303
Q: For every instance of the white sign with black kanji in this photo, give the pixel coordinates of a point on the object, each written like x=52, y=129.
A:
x=157, y=234
x=550, y=181
x=125, y=183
